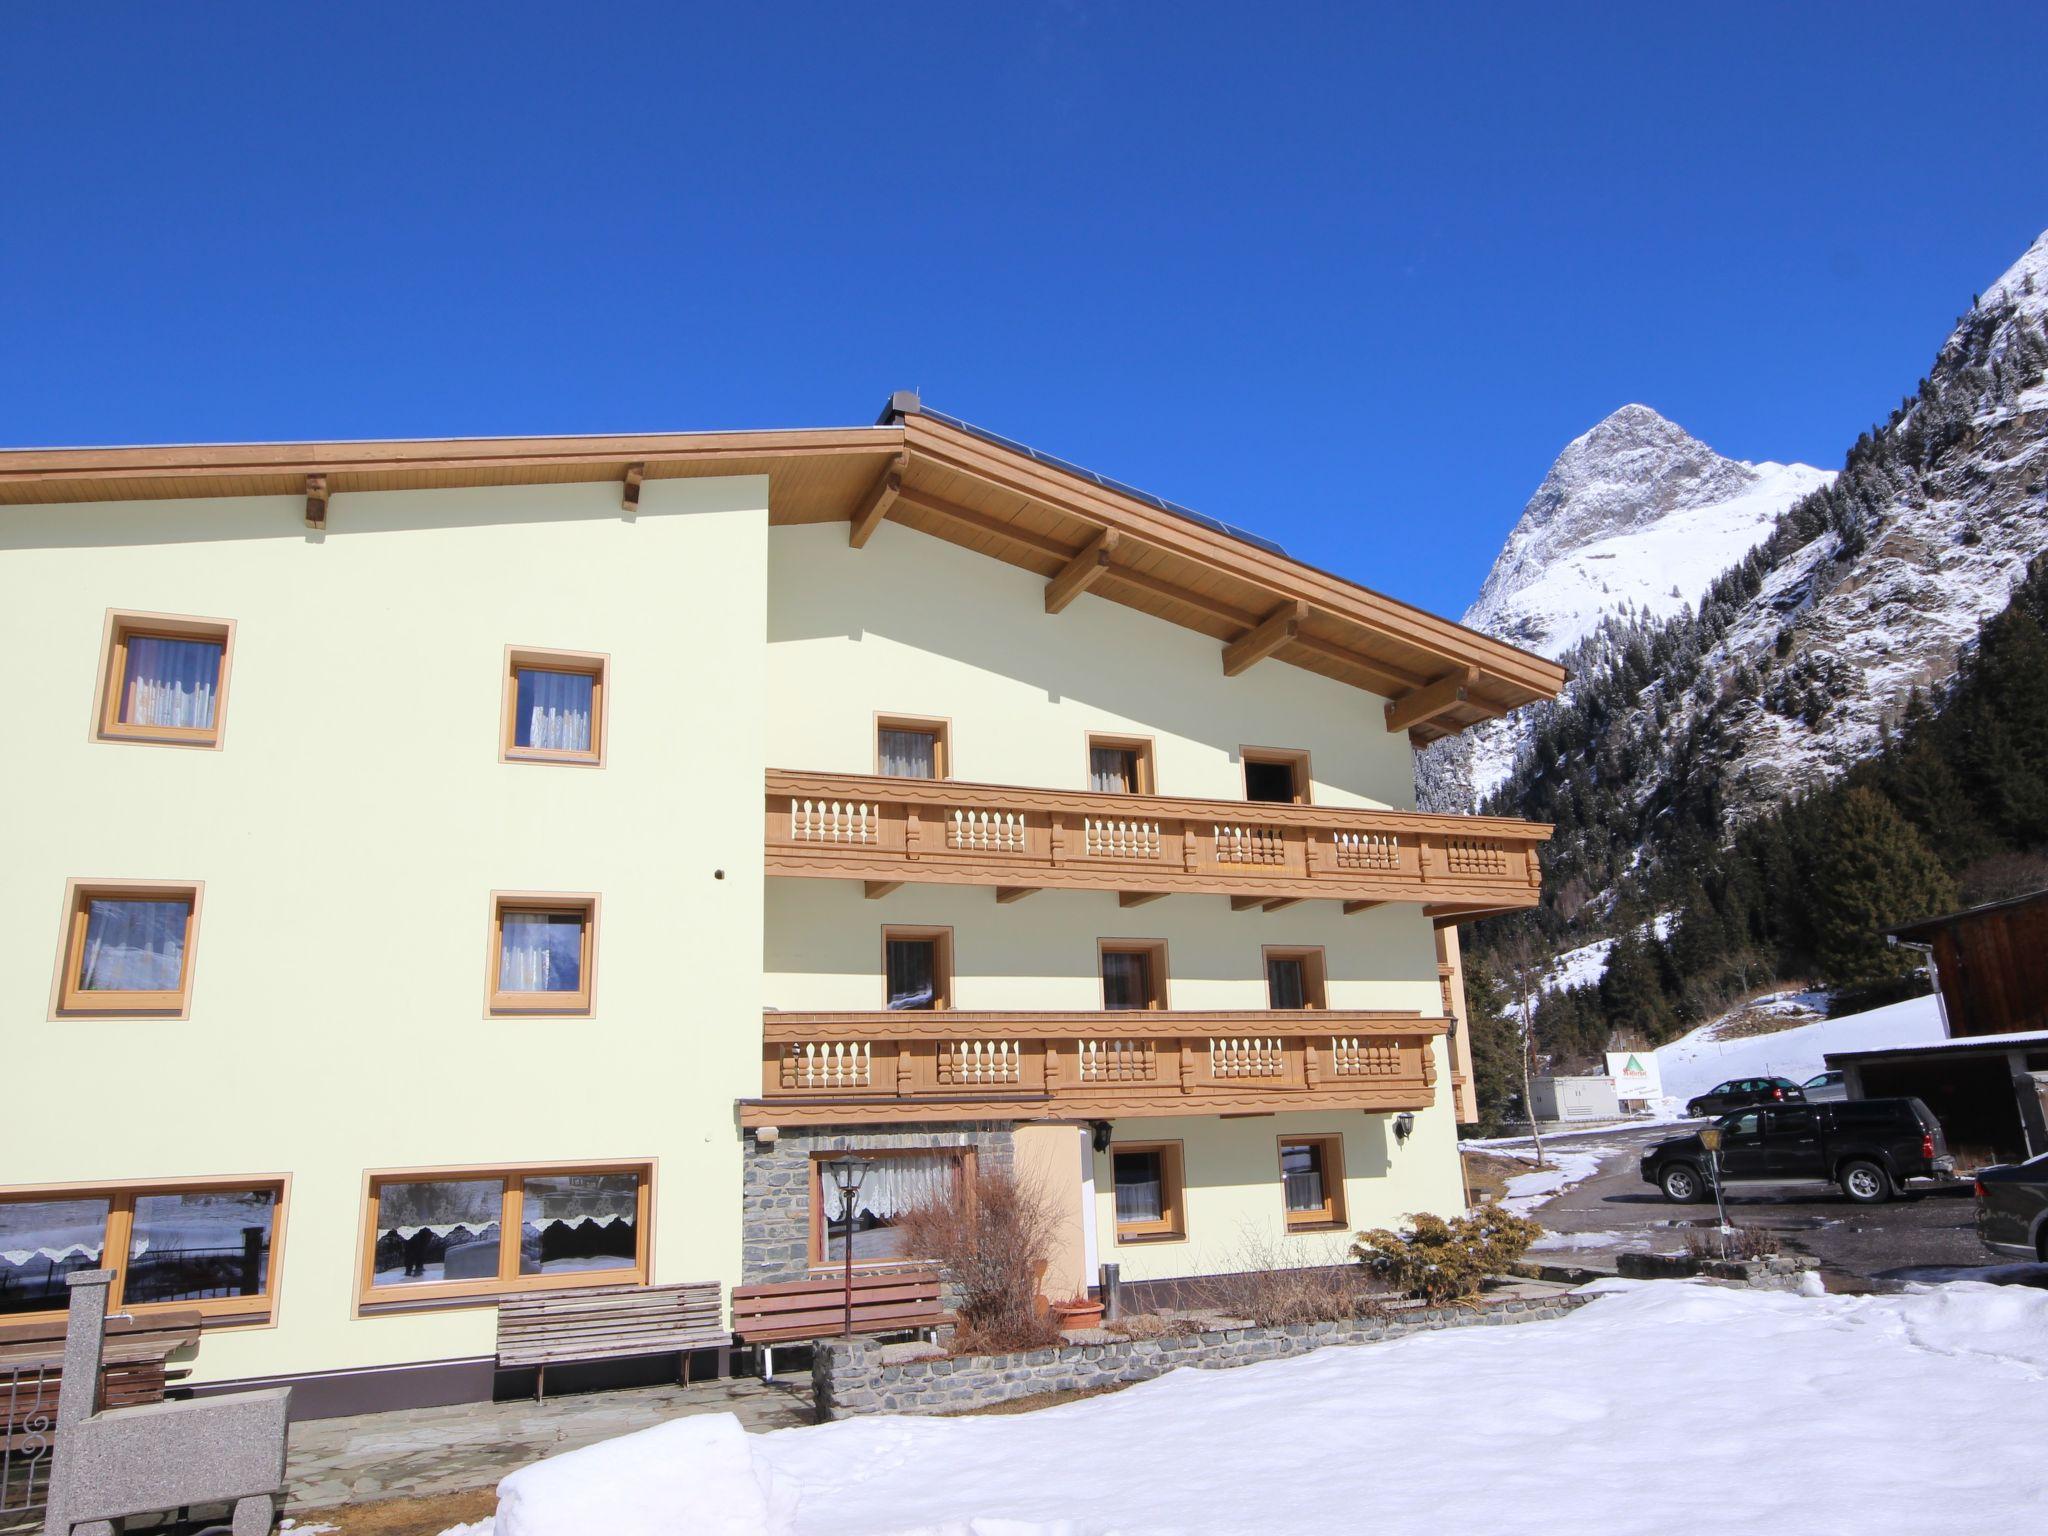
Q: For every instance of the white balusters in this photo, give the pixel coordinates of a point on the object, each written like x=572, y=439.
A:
x=982, y=1063
x=1118, y=1061
x=1259, y=1057
x=1248, y=845
x=833, y=821
x=1119, y=837
x=986, y=831
x=827, y=1064
x=1352, y=1057
x=1366, y=850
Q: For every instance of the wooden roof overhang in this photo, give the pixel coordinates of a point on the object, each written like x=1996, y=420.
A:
x=934, y=475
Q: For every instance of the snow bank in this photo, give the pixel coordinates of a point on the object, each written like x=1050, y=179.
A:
x=1569, y=1166
x=1696, y=1063
x=1633, y=1417
x=688, y=1477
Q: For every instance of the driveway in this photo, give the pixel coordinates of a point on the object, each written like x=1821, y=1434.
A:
x=1928, y=1237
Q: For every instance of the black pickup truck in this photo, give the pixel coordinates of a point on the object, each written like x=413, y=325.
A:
x=1868, y=1146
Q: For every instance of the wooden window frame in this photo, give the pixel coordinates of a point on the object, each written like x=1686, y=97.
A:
x=580, y=1004
x=68, y=1000
x=942, y=961
x=1315, y=973
x=214, y=1311
x=596, y=665
x=371, y=1298
x=819, y=1258
x=1141, y=746
x=123, y=625
x=1155, y=950
x=1294, y=759
x=1172, y=1227
x=1331, y=1216
x=937, y=727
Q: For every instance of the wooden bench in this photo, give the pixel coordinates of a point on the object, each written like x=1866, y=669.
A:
x=791, y=1311
x=134, y=1363
x=610, y=1322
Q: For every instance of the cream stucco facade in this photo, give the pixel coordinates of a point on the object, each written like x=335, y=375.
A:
x=358, y=813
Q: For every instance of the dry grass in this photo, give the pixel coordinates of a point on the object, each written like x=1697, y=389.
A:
x=427, y=1516
x=1487, y=1175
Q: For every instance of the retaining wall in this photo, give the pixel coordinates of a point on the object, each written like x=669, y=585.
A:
x=861, y=1376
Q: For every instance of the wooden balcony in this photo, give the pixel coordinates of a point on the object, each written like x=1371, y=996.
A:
x=887, y=832
x=877, y=1068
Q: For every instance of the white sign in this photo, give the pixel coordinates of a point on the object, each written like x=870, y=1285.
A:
x=1635, y=1075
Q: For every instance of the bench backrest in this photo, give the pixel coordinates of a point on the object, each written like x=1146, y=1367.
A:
x=884, y=1301
x=600, y=1322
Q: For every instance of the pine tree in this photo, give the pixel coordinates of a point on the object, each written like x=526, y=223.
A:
x=1872, y=871
x=1496, y=1047
x=1632, y=992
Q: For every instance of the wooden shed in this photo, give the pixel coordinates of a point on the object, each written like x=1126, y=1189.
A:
x=1990, y=964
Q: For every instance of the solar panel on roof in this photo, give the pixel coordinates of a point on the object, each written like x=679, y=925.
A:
x=1230, y=530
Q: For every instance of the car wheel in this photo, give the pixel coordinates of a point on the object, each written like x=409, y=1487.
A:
x=1682, y=1184
x=1866, y=1183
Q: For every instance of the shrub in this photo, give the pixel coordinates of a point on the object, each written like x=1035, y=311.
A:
x=1439, y=1260
x=1271, y=1287
x=1153, y=1325
x=991, y=1245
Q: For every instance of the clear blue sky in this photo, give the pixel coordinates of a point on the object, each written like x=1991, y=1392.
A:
x=1350, y=276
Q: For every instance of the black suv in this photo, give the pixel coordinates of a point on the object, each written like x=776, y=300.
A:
x=1741, y=1092
x=1868, y=1146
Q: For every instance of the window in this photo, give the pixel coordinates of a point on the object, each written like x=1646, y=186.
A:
x=895, y=1183
x=543, y=953
x=1294, y=978
x=908, y=748
x=207, y=1246
x=554, y=706
x=1133, y=973
x=164, y=679
x=1277, y=777
x=917, y=968
x=1120, y=765
x=1148, y=1191
x=443, y=1233
x=128, y=949
x=1312, y=1181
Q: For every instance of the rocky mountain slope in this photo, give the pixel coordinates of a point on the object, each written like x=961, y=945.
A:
x=1634, y=520
x=1800, y=657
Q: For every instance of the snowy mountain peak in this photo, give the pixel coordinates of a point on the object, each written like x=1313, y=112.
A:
x=2025, y=282
x=1637, y=513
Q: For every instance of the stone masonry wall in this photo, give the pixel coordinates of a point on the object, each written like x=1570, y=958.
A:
x=857, y=1376
x=775, y=1209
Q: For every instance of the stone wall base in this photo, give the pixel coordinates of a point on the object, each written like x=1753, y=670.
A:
x=853, y=1377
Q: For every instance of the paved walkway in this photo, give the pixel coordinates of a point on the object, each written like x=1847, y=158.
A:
x=422, y=1451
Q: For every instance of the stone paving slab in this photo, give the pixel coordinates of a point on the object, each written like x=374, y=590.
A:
x=418, y=1452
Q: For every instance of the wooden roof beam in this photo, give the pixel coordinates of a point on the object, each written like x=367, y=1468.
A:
x=875, y=890
x=629, y=496
x=1009, y=893
x=1432, y=699
x=1081, y=571
x=1351, y=908
x=1275, y=630
x=1137, y=898
x=316, y=501
x=1247, y=903
x=874, y=506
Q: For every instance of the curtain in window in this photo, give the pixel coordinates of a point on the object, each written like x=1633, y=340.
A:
x=895, y=1184
x=1112, y=770
x=577, y=1222
x=554, y=710
x=170, y=682
x=1140, y=1189
x=133, y=946
x=910, y=754
x=541, y=952
x=1301, y=1173
x=42, y=1241
x=437, y=1229
x=913, y=974
x=1284, y=985
x=1126, y=980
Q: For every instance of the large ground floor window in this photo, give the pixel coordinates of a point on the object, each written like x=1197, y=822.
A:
x=209, y=1247
x=466, y=1232
x=896, y=1181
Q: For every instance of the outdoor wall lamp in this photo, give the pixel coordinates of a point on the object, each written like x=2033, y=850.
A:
x=1404, y=1126
x=1099, y=1135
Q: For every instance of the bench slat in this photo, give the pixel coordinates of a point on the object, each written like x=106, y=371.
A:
x=610, y=1322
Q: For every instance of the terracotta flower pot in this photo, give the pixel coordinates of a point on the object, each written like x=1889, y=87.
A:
x=1077, y=1314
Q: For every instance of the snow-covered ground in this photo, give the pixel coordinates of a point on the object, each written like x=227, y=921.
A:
x=1569, y=1165
x=1696, y=1062
x=1662, y=1407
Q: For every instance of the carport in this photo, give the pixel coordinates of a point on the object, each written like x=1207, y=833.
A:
x=1986, y=1090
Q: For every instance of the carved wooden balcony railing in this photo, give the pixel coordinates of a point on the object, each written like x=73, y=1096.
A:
x=889, y=831
x=862, y=1068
